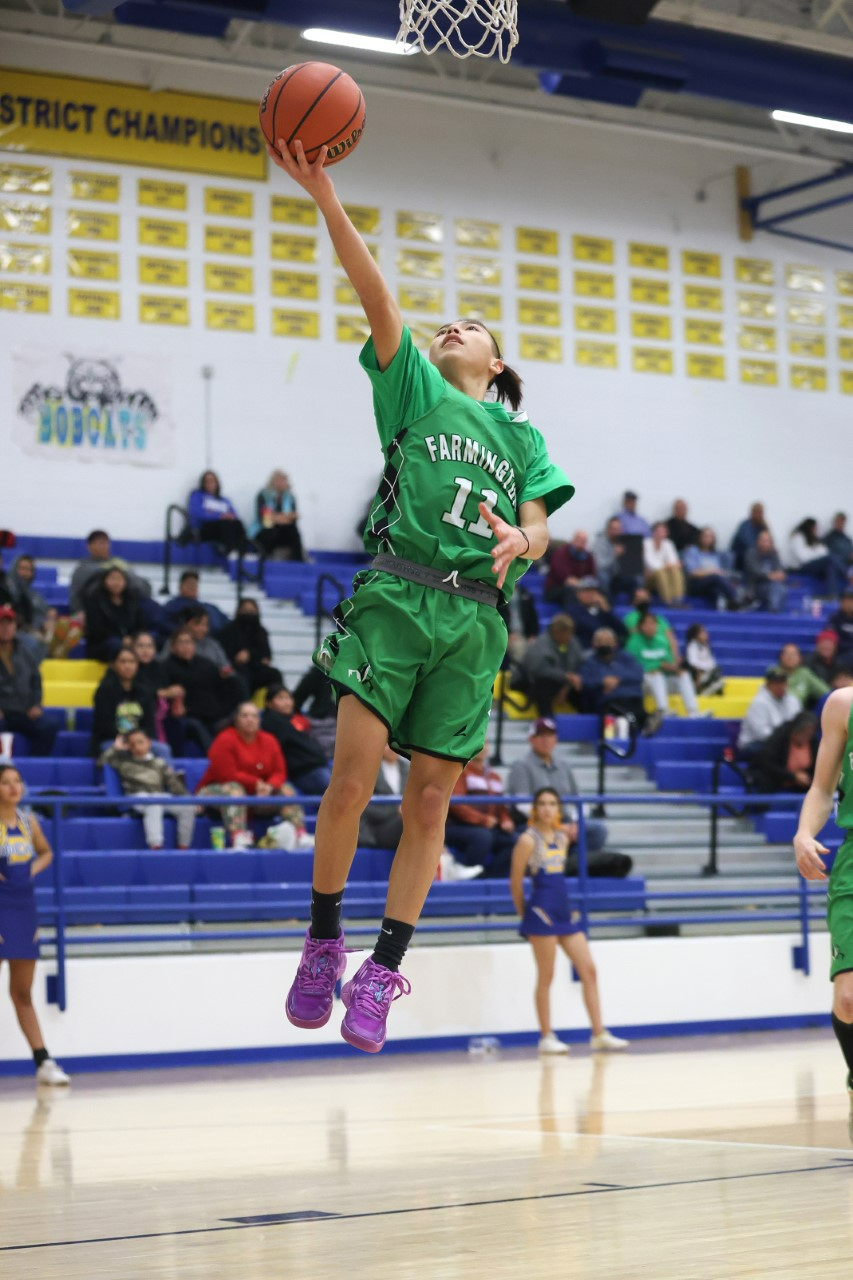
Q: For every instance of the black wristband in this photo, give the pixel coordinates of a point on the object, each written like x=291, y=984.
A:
x=526, y=539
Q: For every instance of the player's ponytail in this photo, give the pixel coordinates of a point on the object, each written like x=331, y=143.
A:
x=507, y=385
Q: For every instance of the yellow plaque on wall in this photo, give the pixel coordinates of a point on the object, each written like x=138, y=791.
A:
x=167, y=271
x=644, y=324
x=479, y=306
x=236, y=240
x=845, y=382
x=699, y=297
x=225, y=202
x=89, y=264
x=654, y=257
x=161, y=308
x=696, y=263
x=754, y=271
x=345, y=293
x=844, y=316
x=83, y=224
x=32, y=259
x=759, y=373
x=293, y=210
x=26, y=179
x=351, y=329
x=472, y=233
x=655, y=292
x=595, y=319
x=99, y=304
x=756, y=337
x=105, y=187
x=154, y=193
x=292, y=248
x=537, y=240
x=705, y=366
x=420, y=226
x=420, y=262
x=23, y=218
x=223, y=278
x=807, y=344
x=805, y=311
x=804, y=279
x=365, y=218
x=533, y=275
x=428, y=298
x=845, y=348
x=808, y=377
x=844, y=283
x=539, y=311
x=164, y=234
x=651, y=360
x=478, y=270
x=596, y=355
x=705, y=333
x=595, y=284
x=756, y=306
x=295, y=324
x=591, y=249
x=295, y=284
x=17, y=295
x=234, y=317
x=535, y=346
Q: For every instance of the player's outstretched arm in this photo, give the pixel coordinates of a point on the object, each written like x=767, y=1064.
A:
x=380, y=306
x=817, y=805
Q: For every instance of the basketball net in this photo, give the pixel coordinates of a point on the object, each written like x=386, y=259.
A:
x=465, y=27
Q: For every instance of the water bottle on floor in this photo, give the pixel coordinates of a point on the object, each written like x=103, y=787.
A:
x=483, y=1046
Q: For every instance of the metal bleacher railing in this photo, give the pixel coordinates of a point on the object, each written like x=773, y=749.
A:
x=480, y=906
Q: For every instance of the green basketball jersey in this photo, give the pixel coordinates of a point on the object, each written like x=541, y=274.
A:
x=445, y=453
x=845, y=784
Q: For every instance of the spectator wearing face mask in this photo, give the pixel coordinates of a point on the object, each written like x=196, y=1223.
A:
x=610, y=678
x=549, y=666
x=247, y=644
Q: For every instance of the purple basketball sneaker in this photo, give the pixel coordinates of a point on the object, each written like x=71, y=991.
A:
x=310, y=999
x=368, y=998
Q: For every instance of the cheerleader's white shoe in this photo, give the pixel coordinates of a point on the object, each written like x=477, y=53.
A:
x=550, y=1044
x=51, y=1072
x=606, y=1042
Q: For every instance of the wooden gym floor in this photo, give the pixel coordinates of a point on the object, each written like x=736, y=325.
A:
x=680, y=1160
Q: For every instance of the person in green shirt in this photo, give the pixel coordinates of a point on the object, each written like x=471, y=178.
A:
x=460, y=512
x=652, y=649
x=805, y=684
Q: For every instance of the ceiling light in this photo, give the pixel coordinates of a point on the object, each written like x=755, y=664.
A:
x=813, y=122
x=375, y=44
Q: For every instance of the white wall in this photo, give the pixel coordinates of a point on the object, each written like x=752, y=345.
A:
x=305, y=405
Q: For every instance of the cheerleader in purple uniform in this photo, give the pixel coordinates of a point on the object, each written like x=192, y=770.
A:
x=24, y=853
x=547, y=919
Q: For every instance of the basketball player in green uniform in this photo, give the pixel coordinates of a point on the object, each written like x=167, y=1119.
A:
x=460, y=512
x=834, y=769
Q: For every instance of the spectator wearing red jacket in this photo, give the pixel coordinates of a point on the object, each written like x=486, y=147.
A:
x=569, y=563
x=244, y=760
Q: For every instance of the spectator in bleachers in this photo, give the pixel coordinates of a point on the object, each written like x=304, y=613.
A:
x=21, y=708
x=746, y=534
x=569, y=562
x=187, y=597
x=700, y=662
x=88, y=575
x=152, y=676
x=197, y=623
x=662, y=672
x=809, y=556
x=641, y=605
x=804, y=683
x=113, y=616
x=540, y=767
x=122, y=702
x=307, y=766
x=213, y=518
x=591, y=610
x=822, y=660
x=838, y=542
x=785, y=761
x=609, y=552
x=841, y=623
x=772, y=705
x=207, y=699
x=38, y=622
x=764, y=577
x=243, y=760
x=706, y=576
x=663, y=572
x=381, y=825
x=548, y=668
x=315, y=697
x=276, y=528
x=630, y=520
x=611, y=678
x=484, y=834
x=141, y=772
x=681, y=532
x=246, y=641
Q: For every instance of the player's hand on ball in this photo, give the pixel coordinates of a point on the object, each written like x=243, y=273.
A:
x=511, y=542
x=808, y=851
x=313, y=178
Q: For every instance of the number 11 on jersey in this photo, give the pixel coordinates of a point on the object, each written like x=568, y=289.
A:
x=455, y=515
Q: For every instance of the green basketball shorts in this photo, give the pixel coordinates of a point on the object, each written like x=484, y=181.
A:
x=422, y=660
x=839, y=909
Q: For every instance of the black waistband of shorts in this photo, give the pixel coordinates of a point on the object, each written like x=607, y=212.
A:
x=482, y=592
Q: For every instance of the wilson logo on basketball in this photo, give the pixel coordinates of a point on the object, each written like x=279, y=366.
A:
x=346, y=144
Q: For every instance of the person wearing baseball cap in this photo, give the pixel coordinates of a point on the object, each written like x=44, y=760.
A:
x=20, y=688
x=772, y=705
x=629, y=518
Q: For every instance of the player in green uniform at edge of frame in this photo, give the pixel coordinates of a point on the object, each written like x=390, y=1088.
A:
x=459, y=514
x=834, y=768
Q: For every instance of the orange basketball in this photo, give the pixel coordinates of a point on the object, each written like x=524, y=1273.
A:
x=317, y=103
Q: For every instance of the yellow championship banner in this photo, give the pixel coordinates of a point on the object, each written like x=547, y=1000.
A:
x=536, y=240
x=166, y=271
x=805, y=311
x=474, y=234
x=845, y=348
x=804, y=279
x=699, y=297
x=808, y=377
x=104, y=187
x=595, y=284
x=591, y=249
x=82, y=224
x=99, y=120
x=844, y=283
x=595, y=319
x=26, y=179
x=99, y=304
x=153, y=193
x=346, y=294
x=352, y=329
x=844, y=316
x=756, y=306
x=160, y=308
x=539, y=311
x=293, y=210
x=32, y=259
x=654, y=257
x=290, y=248
x=425, y=297
x=225, y=202
x=845, y=382
x=807, y=344
x=644, y=324
x=651, y=360
x=220, y=277
x=712, y=368
x=759, y=373
x=754, y=271
x=534, y=275
x=295, y=324
x=479, y=306
x=19, y=296
x=757, y=337
x=476, y=270
x=236, y=240
x=163, y=234
x=366, y=218
x=420, y=226
x=90, y=264
x=596, y=355
x=419, y=262
x=23, y=218
x=695, y=263
x=232, y=317
x=295, y=284
x=534, y=346
x=705, y=333
x=655, y=292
